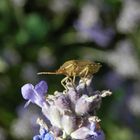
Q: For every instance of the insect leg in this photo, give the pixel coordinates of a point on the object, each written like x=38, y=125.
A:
x=73, y=81
x=64, y=80
x=84, y=72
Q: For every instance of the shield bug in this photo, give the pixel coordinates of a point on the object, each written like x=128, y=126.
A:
x=74, y=68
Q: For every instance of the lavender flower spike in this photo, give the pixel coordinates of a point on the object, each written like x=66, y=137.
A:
x=35, y=94
x=70, y=114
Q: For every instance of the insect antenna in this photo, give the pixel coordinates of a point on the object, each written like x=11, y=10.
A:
x=39, y=73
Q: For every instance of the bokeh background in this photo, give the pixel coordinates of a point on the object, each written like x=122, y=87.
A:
x=40, y=35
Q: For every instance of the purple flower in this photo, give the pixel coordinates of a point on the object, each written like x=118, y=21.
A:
x=81, y=133
x=100, y=136
x=68, y=122
x=94, y=126
x=86, y=104
x=83, y=105
x=100, y=35
x=88, y=133
x=93, y=129
x=62, y=102
x=44, y=135
x=35, y=94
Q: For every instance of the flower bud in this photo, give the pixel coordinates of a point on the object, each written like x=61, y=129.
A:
x=84, y=86
x=68, y=122
x=81, y=133
x=83, y=105
x=54, y=116
x=62, y=103
x=73, y=96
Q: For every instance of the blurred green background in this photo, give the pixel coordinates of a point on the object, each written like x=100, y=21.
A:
x=40, y=35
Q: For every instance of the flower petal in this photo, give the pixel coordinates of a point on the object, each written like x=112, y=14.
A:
x=99, y=136
x=62, y=103
x=81, y=133
x=44, y=135
x=43, y=132
x=27, y=103
x=37, y=137
x=48, y=136
x=41, y=88
x=82, y=105
x=92, y=126
x=28, y=92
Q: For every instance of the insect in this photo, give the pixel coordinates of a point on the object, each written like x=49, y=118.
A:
x=73, y=68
